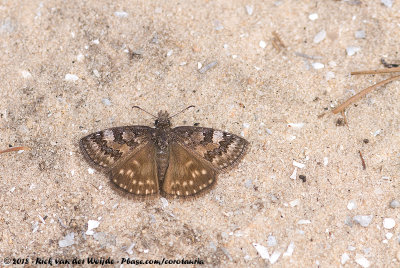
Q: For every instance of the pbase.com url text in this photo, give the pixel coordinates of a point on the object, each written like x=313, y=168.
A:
x=161, y=261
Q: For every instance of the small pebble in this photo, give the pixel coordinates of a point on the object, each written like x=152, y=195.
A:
x=164, y=202
x=304, y=222
x=388, y=223
x=71, y=77
x=262, y=251
x=121, y=14
x=351, y=50
x=388, y=236
x=274, y=257
x=96, y=42
x=207, y=67
x=249, y=10
x=326, y=161
x=317, y=65
x=271, y=241
x=345, y=257
x=67, y=241
x=360, y=34
x=294, y=174
x=387, y=3
x=361, y=260
x=294, y=203
x=25, y=74
x=320, y=36
x=394, y=204
x=297, y=164
x=80, y=58
x=351, y=205
x=313, y=16
x=91, y=170
x=96, y=73
x=289, y=250
x=329, y=75
x=363, y=220
x=262, y=44
x=92, y=224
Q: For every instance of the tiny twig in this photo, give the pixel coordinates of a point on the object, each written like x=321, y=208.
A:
x=362, y=160
x=13, y=149
x=364, y=92
x=382, y=71
x=344, y=117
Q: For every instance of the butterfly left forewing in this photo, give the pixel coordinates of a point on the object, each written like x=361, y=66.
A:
x=219, y=148
x=187, y=174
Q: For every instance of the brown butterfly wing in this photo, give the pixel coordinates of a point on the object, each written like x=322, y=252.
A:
x=127, y=154
x=219, y=148
x=186, y=174
x=138, y=174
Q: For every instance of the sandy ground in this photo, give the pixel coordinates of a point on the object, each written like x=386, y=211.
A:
x=69, y=68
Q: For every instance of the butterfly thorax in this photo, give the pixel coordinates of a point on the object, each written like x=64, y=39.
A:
x=161, y=139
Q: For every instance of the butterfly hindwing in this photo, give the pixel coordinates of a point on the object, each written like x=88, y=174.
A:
x=221, y=149
x=186, y=174
x=104, y=149
x=137, y=174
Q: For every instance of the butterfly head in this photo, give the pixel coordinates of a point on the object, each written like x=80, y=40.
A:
x=163, y=120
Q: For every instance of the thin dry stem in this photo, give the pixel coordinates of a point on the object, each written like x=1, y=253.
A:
x=13, y=149
x=382, y=71
x=362, y=93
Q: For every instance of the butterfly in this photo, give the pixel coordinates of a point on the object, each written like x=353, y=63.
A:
x=180, y=162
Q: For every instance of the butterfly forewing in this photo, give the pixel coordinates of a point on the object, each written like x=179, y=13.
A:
x=137, y=174
x=104, y=149
x=187, y=174
x=221, y=149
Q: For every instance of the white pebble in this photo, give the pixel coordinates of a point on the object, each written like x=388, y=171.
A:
x=294, y=203
x=92, y=224
x=67, y=241
x=96, y=73
x=80, y=57
x=317, y=65
x=320, y=36
x=106, y=102
x=297, y=164
x=394, y=204
x=96, y=42
x=389, y=236
x=121, y=14
x=326, y=161
x=345, y=257
x=387, y=3
x=351, y=50
x=304, y=222
x=25, y=74
x=249, y=10
x=313, y=16
x=296, y=125
x=363, y=220
x=262, y=44
x=361, y=260
x=164, y=202
x=71, y=77
x=199, y=65
x=262, y=251
x=294, y=174
x=329, y=75
x=360, y=34
x=289, y=250
x=388, y=223
x=271, y=241
x=90, y=170
x=274, y=257
x=351, y=205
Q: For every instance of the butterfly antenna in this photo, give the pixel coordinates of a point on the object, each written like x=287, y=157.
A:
x=190, y=106
x=137, y=107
